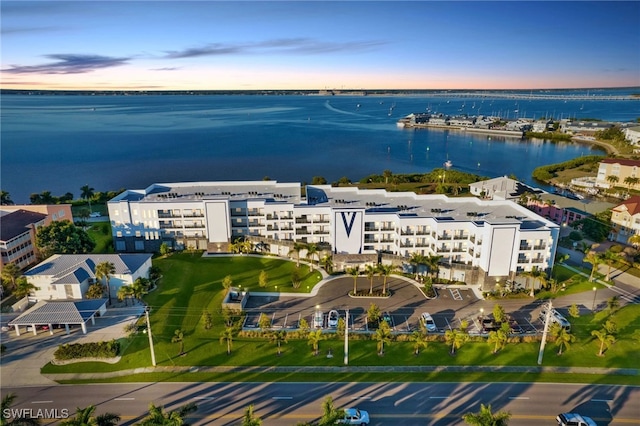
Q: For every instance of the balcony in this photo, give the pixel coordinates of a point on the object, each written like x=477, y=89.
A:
x=444, y=236
x=461, y=237
x=272, y=217
x=423, y=232
x=302, y=220
x=523, y=260
x=406, y=244
x=286, y=228
x=272, y=228
x=540, y=247
x=525, y=247
x=320, y=220
x=369, y=228
x=255, y=213
x=303, y=231
x=193, y=215
x=321, y=232
x=388, y=228
x=163, y=215
x=406, y=232
x=388, y=240
x=240, y=213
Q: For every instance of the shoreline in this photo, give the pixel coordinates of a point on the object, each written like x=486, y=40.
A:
x=610, y=149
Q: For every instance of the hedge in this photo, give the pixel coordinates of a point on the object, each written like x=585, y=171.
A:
x=87, y=350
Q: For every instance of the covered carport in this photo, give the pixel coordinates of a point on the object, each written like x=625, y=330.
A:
x=67, y=313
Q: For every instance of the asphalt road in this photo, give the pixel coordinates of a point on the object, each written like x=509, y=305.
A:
x=388, y=403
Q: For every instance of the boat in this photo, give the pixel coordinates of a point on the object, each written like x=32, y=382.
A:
x=448, y=164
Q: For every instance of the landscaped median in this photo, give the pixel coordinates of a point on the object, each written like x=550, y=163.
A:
x=192, y=285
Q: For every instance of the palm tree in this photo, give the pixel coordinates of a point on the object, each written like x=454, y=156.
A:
x=314, y=338
x=5, y=411
x=85, y=417
x=594, y=259
x=385, y=271
x=87, y=193
x=634, y=240
x=104, y=270
x=485, y=417
x=158, y=417
x=330, y=414
x=249, y=419
x=419, y=341
x=456, y=338
x=537, y=275
x=606, y=340
x=498, y=338
x=312, y=250
x=610, y=258
x=23, y=288
x=387, y=174
x=370, y=272
x=613, y=303
x=139, y=288
x=631, y=181
x=279, y=337
x=297, y=248
x=124, y=293
x=5, y=199
x=612, y=179
x=327, y=263
x=10, y=273
x=178, y=337
x=382, y=335
x=562, y=336
x=354, y=272
x=433, y=263
x=417, y=259
x=227, y=337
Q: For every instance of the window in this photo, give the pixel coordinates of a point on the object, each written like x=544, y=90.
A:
x=139, y=245
x=120, y=246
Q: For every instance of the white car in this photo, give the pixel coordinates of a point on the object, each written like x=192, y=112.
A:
x=95, y=214
x=318, y=319
x=428, y=322
x=332, y=319
x=574, y=419
x=353, y=416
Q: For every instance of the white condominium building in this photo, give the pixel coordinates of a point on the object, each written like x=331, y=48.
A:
x=500, y=238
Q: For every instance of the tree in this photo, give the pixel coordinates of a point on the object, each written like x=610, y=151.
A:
x=263, y=279
x=499, y=314
x=631, y=181
x=382, y=336
x=538, y=275
x=417, y=259
x=387, y=174
x=140, y=287
x=164, y=249
x=354, y=272
x=433, y=263
x=297, y=248
x=594, y=259
x=249, y=419
x=497, y=338
x=574, y=311
x=158, y=417
x=5, y=413
x=296, y=278
x=370, y=272
x=634, y=240
x=227, y=282
x=279, y=337
x=456, y=338
x=303, y=327
x=485, y=417
x=313, y=339
x=207, y=319
x=563, y=337
x=87, y=193
x=385, y=271
x=613, y=303
x=610, y=326
x=63, y=237
x=330, y=414
x=85, y=417
x=373, y=314
x=264, y=322
x=610, y=258
x=318, y=180
x=606, y=340
x=5, y=199
x=23, y=288
x=10, y=274
x=95, y=291
x=124, y=293
x=227, y=337
x=419, y=340
x=612, y=179
x=327, y=263
x=312, y=250
x=104, y=271
x=178, y=337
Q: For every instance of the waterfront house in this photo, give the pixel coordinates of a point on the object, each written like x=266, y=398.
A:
x=501, y=188
x=625, y=218
x=543, y=125
x=618, y=172
x=584, y=127
x=632, y=135
x=494, y=240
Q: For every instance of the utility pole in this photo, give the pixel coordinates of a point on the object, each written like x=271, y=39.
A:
x=153, y=353
x=346, y=339
x=544, y=333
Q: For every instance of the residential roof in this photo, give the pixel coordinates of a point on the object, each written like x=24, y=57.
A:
x=59, y=312
x=17, y=223
x=632, y=205
x=586, y=205
x=77, y=267
x=621, y=161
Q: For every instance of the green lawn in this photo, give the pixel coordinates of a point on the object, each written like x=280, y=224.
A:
x=100, y=232
x=191, y=284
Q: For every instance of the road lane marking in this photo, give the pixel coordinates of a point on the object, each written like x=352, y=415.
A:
x=602, y=400
x=518, y=397
x=41, y=402
x=439, y=397
x=360, y=397
x=123, y=399
x=282, y=397
x=204, y=397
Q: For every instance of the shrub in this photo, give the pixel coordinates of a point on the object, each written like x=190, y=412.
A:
x=108, y=349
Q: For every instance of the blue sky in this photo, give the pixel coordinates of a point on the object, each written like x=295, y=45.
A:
x=200, y=45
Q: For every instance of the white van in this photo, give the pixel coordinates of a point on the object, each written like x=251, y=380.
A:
x=556, y=317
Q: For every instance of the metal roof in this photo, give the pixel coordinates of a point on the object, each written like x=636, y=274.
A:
x=17, y=223
x=63, y=265
x=59, y=312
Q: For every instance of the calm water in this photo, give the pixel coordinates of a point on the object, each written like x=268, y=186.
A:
x=59, y=143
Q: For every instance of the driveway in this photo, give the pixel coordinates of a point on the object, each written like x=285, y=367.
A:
x=27, y=354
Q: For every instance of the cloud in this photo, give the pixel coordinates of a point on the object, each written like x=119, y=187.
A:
x=68, y=64
x=9, y=31
x=284, y=46
x=166, y=69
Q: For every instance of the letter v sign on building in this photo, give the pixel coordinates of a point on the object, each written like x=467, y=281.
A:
x=349, y=231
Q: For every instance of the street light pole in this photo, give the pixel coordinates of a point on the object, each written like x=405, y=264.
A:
x=547, y=319
x=346, y=339
x=593, y=305
x=153, y=353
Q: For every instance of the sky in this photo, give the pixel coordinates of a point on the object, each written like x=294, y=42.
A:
x=316, y=45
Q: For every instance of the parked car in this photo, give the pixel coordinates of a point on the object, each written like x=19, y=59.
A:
x=318, y=319
x=332, y=319
x=387, y=318
x=428, y=322
x=574, y=419
x=95, y=214
x=556, y=317
x=353, y=416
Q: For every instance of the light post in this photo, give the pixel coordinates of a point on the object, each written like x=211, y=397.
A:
x=481, y=313
x=346, y=339
x=595, y=292
x=153, y=353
